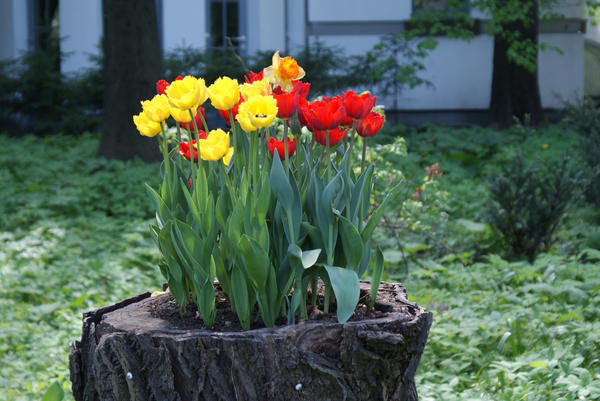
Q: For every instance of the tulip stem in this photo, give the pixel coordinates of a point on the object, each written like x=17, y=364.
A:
x=364, y=155
x=328, y=161
x=191, y=149
x=180, y=163
x=197, y=137
x=285, y=149
x=352, y=135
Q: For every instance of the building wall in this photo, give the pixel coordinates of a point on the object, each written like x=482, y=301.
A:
x=14, y=34
x=184, y=23
x=80, y=25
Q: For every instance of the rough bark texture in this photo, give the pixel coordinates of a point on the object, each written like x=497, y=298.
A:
x=126, y=353
x=132, y=67
x=515, y=90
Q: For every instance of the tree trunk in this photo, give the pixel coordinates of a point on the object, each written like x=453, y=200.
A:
x=132, y=66
x=128, y=353
x=515, y=89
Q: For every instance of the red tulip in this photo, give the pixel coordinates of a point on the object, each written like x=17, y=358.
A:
x=347, y=121
x=325, y=114
x=301, y=88
x=253, y=76
x=161, y=85
x=287, y=104
x=335, y=136
x=184, y=147
x=370, y=125
x=356, y=106
x=273, y=144
x=198, y=119
x=303, y=112
x=225, y=113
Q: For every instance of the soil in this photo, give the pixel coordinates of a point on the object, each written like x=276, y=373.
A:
x=166, y=308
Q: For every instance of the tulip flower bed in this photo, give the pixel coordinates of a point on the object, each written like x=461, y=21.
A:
x=271, y=208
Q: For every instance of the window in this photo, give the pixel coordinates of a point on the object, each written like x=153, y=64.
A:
x=225, y=23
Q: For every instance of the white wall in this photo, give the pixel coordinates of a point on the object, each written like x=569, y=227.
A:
x=80, y=31
x=461, y=74
x=184, y=24
x=359, y=10
x=14, y=35
x=265, y=25
x=561, y=75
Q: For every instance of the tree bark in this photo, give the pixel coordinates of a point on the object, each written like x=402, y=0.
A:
x=515, y=89
x=127, y=353
x=132, y=66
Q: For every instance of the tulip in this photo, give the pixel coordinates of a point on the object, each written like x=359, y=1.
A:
x=369, y=125
x=283, y=71
x=216, y=146
x=184, y=147
x=182, y=116
x=225, y=113
x=253, y=76
x=145, y=125
x=303, y=112
x=325, y=114
x=157, y=109
x=162, y=85
x=224, y=93
x=356, y=106
x=187, y=93
x=255, y=88
x=287, y=104
x=260, y=110
x=335, y=136
x=243, y=118
x=273, y=144
x=198, y=116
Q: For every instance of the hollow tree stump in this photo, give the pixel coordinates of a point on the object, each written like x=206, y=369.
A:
x=127, y=353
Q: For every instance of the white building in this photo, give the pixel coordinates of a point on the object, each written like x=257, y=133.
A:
x=461, y=71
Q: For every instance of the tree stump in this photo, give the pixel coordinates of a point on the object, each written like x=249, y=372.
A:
x=126, y=352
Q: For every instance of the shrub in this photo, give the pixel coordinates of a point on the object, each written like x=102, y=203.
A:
x=583, y=117
x=527, y=202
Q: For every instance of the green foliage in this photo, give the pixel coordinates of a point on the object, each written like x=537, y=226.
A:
x=528, y=202
x=73, y=237
x=583, y=117
x=265, y=227
x=38, y=98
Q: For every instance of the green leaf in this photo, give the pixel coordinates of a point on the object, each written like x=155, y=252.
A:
x=346, y=287
x=281, y=185
x=352, y=243
x=472, y=225
x=376, y=277
x=239, y=291
x=256, y=261
x=538, y=364
x=54, y=393
x=372, y=223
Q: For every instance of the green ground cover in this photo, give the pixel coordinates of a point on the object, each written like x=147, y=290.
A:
x=74, y=236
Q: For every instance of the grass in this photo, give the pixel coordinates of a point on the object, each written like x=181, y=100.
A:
x=74, y=236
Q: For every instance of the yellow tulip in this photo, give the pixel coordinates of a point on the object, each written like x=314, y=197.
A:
x=256, y=88
x=182, y=116
x=283, y=71
x=261, y=110
x=227, y=157
x=224, y=93
x=157, y=109
x=145, y=125
x=215, y=146
x=243, y=117
x=187, y=93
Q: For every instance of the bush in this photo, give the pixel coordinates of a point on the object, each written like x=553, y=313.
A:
x=36, y=97
x=584, y=118
x=528, y=202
